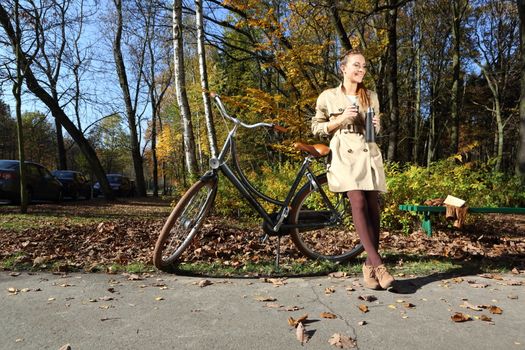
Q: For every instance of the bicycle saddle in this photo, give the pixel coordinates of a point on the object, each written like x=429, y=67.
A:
x=317, y=150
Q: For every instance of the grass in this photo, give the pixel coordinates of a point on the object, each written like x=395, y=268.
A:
x=20, y=222
x=419, y=266
x=398, y=266
x=42, y=215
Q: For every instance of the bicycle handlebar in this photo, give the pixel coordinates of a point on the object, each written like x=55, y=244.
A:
x=219, y=104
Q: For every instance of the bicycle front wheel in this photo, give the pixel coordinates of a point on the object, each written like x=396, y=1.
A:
x=183, y=224
x=323, y=232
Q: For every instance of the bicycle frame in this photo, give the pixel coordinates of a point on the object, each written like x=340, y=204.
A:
x=277, y=224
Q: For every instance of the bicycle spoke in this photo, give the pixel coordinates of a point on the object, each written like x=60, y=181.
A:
x=324, y=231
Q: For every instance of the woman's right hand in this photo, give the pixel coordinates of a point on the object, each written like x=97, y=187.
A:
x=348, y=116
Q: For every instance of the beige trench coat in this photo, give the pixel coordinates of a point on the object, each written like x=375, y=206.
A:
x=354, y=164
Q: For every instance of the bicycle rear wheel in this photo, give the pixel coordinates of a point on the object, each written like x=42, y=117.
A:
x=183, y=224
x=323, y=233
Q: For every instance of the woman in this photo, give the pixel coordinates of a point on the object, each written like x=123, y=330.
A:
x=356, y=166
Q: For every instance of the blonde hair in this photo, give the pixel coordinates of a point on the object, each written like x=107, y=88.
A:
x=362, y=92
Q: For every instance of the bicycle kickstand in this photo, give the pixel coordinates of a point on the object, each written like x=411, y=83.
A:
x=278, y=252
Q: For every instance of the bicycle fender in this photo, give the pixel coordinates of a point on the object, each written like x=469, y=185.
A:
x=210, y=175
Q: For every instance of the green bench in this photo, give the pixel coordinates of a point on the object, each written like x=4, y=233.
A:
x=426, y=210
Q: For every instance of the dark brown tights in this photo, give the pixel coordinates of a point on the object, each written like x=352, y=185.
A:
x=365, y=214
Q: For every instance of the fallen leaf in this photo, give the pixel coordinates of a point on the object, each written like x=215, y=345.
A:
x=294, y=322
x=14, y=274
x=363, y=308
x=468, y=305
x=342, y=341
x=329, y=290
x=328, y=315
x=65, y=347
x=275, y=281
x=409, y=305
x=159, y=298
x=357, y=284
x=485, y=318
x=50, y=299
x=474, y=284
x=495, y=310
x=204, y=283
x=369, y=298
x=338, y=274
x=134, y=277
x=262, y=298
x=273, y=306
x=512, y=296
x=293, y=308
x=13, y=290
x=511, y=283
x=300, y=333
x=491, y=276
x=362, y=323
x=460, y=317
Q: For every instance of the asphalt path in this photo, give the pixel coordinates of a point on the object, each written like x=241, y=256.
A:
x=162, y=311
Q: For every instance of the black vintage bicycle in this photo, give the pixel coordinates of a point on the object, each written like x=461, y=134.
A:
x=318, y=221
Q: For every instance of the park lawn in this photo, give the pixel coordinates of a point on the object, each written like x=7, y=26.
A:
x=120, y=236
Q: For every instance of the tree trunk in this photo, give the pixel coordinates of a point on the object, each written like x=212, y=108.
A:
x=417, y=106
x=455, y=97
x=61, y=149
x=56, y=110
x=208, y=115
x=130, y=111
x=391, y=76
x=494, y=88
x=339, y=28
x=180, y=85
x=521, y=153
x=17, y=93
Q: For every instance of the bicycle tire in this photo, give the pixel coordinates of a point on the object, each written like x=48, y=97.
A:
x=183, y=224
x=335, y=241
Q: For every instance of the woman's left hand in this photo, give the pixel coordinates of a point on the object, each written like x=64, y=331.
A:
x=376, y=120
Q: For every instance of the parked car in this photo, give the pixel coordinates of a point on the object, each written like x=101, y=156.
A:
x=120, y=184
x=41, y=184
x=74, y=182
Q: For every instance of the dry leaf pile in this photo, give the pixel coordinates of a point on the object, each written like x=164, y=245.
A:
x=130, y=232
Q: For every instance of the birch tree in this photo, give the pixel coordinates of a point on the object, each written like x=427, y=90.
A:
x=208, y=116
x=180, y=86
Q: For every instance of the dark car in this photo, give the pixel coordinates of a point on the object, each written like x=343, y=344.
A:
x=120, y=184
x=74, y=182
x=41, y=184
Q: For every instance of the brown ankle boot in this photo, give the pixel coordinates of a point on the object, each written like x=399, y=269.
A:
x=384, y=278
x=369, y=277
